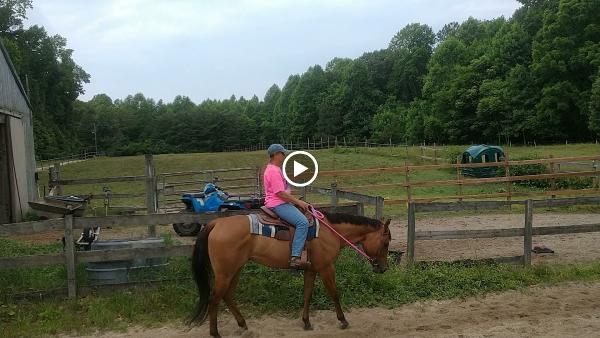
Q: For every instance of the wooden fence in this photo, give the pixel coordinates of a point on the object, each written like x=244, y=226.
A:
x=163, y=190
x=70, y=257
x=431, y=153
x=526, y=232
x=407, y=184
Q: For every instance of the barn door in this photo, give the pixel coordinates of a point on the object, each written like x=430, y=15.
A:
x=5, y=205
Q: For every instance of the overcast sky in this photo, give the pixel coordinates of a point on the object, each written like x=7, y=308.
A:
x=212, y=49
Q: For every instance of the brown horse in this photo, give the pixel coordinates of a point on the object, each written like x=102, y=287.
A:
x=227, y=245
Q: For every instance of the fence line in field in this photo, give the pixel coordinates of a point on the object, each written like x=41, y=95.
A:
x=407, y=184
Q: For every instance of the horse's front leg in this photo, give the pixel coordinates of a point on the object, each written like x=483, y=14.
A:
x=309, y=285
x=328, y=278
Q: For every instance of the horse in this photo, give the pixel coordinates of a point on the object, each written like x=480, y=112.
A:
x=225, y=245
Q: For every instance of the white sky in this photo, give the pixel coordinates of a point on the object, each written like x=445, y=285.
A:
x=212, y=49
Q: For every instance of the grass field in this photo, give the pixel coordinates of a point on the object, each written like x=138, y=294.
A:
x=330, y=159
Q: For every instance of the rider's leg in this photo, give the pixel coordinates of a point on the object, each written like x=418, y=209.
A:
x=292, y=215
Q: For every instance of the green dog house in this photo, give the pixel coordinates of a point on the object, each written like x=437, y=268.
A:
x=482, y=154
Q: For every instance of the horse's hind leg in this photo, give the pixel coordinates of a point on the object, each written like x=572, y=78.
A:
x=219, y=290
x=328, y=278
x=231, y=303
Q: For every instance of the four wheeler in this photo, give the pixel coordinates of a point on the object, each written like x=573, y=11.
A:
x=211, y=199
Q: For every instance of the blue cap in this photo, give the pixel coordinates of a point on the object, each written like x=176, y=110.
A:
x=276, y=148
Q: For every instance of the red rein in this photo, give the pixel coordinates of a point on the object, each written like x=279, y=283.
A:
x=319, y=215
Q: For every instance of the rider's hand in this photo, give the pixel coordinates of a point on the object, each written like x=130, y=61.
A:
x=303, y=205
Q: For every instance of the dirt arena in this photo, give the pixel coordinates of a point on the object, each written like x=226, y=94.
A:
x=571, y=310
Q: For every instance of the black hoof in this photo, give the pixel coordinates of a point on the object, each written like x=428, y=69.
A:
x=307, y=326
x=243, y=326
x=344, y=324
x=215, y=334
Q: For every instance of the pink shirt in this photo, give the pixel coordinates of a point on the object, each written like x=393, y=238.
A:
x=274, y=182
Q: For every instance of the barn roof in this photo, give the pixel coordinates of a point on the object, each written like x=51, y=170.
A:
x=15, y=76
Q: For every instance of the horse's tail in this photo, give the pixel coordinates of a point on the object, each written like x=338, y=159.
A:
x=202, y=271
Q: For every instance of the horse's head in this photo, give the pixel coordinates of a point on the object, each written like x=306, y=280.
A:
x=376, y=245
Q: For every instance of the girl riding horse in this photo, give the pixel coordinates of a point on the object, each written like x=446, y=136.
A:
x=225, y=245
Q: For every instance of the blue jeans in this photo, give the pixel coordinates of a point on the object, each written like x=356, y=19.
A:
x=289, y=213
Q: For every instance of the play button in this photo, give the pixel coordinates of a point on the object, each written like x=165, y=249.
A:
x=299, y=168
x=304, y=169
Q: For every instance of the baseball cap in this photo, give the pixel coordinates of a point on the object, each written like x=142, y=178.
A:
x=276, y=148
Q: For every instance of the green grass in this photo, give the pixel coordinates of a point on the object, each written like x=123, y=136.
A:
x=264, y=291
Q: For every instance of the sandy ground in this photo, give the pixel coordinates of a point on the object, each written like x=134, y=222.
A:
x=568, y=248
x=561, y=311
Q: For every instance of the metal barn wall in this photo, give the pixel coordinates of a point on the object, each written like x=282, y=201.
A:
x=15, y=107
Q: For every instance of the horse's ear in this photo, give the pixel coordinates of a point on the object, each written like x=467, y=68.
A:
x=387, y=223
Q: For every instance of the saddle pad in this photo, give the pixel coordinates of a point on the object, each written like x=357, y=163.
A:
x=268, y=230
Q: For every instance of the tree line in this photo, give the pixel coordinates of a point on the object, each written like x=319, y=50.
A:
x=533, y=76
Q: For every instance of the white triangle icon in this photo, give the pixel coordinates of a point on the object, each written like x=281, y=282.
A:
x=299, y=168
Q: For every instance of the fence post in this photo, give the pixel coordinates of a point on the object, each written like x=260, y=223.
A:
x=507, y=175
x=596, y=163
x=258, y=182
x=70, y=257
x=151, y=198
x=552, y=181
x=410, y=240
x=434, y=153
x=55, y=188
x=379, y=208
x=334, y=196
x=407, y=183
x=459, y=178
x=527, y=238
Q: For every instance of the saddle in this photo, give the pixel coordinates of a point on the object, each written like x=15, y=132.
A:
x=267, y=216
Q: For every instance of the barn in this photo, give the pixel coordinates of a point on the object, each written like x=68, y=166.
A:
x=17, y=154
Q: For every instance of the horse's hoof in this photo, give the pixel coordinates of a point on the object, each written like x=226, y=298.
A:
x=215, y=334
x=244, y=327
x=344, y=324
x=307, y=326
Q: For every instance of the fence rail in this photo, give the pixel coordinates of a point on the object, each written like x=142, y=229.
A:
x=526, y=232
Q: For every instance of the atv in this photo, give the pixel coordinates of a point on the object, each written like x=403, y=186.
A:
x=211, y=199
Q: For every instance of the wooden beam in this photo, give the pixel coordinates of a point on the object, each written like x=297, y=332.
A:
x=464, y=205
x=70, y=257
x=467, y=234
x=527, y=236
x=567, y=201
x=134, y=253
x=31, y=261
x=382, y=170
x=411, y=234
x=27, y=228
x=100, y=180
x=566, y=229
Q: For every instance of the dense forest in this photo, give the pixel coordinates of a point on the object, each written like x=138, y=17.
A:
x=534, y=76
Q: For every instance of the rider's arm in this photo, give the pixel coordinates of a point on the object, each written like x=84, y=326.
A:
x=284, y=195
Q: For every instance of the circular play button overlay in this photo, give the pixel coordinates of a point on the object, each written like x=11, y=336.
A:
x=302, y=167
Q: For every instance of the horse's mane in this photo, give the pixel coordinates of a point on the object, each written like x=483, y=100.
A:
x=334, y=217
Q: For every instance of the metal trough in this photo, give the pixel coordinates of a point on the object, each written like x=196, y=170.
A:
x=117, y=272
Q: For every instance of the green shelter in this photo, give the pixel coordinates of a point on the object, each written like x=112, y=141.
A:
x=482, y=154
